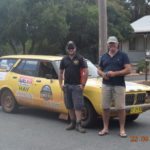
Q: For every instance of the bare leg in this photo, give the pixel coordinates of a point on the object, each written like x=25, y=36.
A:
x=122, y=116
x=106, y=116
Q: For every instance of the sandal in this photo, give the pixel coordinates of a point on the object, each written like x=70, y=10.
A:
x=123, y=135
x=102, y=133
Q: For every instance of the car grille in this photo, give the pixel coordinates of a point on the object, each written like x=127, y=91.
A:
x=130, y=99
x=140, y=98
x=135, y=99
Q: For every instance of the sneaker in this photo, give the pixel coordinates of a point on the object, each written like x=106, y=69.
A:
x=79, y=128
x=71, y=126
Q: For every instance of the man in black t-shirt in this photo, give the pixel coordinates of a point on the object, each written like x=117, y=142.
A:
x=73, y=68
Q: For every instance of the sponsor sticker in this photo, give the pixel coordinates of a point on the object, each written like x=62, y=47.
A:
x=46, y=92
x=23, y=88
x=25, y=81
x=24, y=95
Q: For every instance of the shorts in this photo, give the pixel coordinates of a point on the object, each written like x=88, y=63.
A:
x=113, y=93
x=73, y=96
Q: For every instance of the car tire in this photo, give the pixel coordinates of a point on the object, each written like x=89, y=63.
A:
x=89, y=115
x=8, y=102
x=132, y=117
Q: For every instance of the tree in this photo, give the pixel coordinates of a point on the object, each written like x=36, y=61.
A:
x=118, y=20
x=27, y=24
x=83, y=20
x=45, y=26
x=12, y=24
x=137, y=8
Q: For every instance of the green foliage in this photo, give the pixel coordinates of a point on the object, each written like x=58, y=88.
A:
x=137, y=8
x=47, y=27
x=140, y=66
x=32, y=20
x=83, y=21
x=44, y=26
x=118, y=20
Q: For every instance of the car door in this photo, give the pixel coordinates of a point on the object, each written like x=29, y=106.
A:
x=22, y=77
x=47, y=92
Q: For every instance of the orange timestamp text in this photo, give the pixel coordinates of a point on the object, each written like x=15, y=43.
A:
x=143, y=138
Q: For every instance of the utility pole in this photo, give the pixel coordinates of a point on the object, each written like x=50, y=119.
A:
x=102, y=7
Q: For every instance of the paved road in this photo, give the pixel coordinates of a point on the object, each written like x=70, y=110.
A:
x=40, y=130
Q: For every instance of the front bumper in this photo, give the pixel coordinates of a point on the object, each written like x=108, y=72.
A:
x=143, y=107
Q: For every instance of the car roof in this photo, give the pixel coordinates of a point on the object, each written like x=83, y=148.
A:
x=39, y=57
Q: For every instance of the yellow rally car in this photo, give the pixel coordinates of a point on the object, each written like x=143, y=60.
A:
x=30, y=80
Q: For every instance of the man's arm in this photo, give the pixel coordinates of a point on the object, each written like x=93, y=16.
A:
x=83, y=72
x=84, y=76
x=123, y=72
x=61, y=75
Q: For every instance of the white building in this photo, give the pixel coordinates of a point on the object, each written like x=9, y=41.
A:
x=140, y=43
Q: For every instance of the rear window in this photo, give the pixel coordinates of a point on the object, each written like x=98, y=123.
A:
x=7, y=64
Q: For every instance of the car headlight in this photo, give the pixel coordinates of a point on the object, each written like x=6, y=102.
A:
x=148, y=96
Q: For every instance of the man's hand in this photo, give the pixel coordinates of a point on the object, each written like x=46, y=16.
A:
x=102, y=74
x=105, y=76
x=111, y=73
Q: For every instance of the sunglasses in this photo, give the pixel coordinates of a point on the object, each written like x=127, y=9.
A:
x=71, y=48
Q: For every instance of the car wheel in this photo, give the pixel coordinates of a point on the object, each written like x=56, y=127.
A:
x=132, y=117
x=8, y=102
x=89, y=115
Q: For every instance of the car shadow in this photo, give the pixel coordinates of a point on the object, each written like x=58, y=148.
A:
x=113, y=124
x=33, y=112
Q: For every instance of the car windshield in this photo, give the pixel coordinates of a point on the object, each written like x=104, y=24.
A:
x=91, y=68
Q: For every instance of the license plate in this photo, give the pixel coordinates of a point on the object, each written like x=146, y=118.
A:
x=135, y=110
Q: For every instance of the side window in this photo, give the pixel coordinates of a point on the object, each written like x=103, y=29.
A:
x=7, y=64
x=46, y=70
x=27, y=67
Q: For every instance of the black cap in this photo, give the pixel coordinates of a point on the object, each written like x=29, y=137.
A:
x=70, y=45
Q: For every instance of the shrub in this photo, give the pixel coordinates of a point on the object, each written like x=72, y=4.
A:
x=140, y=66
